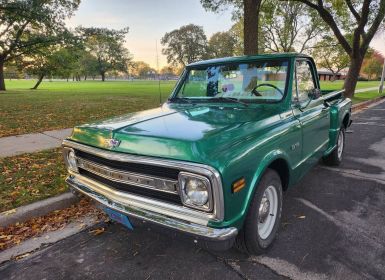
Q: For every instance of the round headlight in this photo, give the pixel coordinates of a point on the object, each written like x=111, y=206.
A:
x=196, y=191
x=71, y=159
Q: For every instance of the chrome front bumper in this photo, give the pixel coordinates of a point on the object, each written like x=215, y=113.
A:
x=140, y=208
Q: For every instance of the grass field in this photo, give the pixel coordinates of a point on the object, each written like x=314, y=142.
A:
x=58, y=105
x=61, y=104
x=31, y=177
x=358, y=97
x=327, y=85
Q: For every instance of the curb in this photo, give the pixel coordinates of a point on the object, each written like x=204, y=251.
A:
x=363, y=105
x=37, y=209
x=30, y=246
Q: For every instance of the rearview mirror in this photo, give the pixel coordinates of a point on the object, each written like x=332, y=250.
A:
x=315, y=94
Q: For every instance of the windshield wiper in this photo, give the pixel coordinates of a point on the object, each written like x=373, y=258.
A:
x=183, y=99
x=231, y=99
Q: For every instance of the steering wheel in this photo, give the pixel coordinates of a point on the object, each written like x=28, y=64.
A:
x=255, y=92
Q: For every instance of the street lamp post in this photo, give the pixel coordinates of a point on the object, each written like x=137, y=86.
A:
x=380, y=89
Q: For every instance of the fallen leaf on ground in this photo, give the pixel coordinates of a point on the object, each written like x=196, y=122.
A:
x=9, y=212
x=97, y=231
x=22, y=256
x=14, y=234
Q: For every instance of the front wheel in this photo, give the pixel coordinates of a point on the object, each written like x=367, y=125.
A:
x=264, y=215
x=335, y=157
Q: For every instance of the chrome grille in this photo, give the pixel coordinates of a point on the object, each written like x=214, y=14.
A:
x=134, y=167
x=129, y=178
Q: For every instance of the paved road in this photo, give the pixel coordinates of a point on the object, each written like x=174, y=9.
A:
x=342, y=235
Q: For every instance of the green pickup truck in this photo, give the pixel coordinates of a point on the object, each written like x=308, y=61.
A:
x=212, y=163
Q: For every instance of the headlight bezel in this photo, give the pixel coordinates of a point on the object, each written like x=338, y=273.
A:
x=182, y=178
x=66, y=153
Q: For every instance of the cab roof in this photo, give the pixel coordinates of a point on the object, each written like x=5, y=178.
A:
x=245, y=58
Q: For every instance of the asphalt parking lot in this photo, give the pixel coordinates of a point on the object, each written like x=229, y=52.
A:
x=333, y=227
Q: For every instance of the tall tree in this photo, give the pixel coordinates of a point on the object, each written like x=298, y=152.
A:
x=141, y=69
x=248, y=10
x=107, y=46
x=289, y=26
x=51, y=62
x=185, y=45
x=329, y=54
x=222, y=44
x=358, y=20
x=372, y=65
x=237, y=32
x=29, y=25
x=87, y=65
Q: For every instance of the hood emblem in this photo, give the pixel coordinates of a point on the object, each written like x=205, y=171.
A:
x=111, y=143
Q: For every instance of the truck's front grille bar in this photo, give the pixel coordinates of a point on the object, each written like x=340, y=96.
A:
x=129, y=178
x=144, y=192
x=151, y=170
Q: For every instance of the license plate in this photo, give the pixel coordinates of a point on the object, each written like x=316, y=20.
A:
x=119, y=217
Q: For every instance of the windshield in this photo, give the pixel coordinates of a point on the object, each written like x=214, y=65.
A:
x=260, y=81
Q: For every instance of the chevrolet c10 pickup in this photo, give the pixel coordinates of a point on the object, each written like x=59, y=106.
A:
x=212, y=163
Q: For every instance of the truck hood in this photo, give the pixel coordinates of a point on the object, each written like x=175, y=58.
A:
x=185, y=132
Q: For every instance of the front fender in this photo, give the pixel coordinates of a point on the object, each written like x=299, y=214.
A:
x=252, y=184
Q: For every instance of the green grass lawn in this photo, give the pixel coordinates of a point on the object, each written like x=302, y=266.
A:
x=336, y=85
x=61, y=104
x=31, y=177
x=358, y=97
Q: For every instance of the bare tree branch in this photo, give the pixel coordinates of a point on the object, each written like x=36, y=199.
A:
x=353, y=10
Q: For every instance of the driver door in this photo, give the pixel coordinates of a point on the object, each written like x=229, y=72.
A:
x=312, y=114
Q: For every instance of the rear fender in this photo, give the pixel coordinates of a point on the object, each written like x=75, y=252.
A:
x=338, y=112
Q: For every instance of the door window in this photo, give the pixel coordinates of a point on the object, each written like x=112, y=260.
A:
x=305, y=82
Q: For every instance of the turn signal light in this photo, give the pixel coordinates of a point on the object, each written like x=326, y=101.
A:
x=238, y=185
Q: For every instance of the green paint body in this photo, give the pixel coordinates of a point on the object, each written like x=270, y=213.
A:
x=237, y=141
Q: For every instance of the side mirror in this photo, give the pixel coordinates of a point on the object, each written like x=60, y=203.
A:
x=315, y=94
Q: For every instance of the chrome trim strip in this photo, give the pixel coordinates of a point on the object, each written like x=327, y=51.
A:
x=211, y=173
x=212, y=234
x=120, y=176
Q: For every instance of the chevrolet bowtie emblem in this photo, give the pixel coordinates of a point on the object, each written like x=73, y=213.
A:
x=111, y=143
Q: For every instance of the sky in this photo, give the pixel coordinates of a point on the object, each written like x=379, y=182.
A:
x=149, y=20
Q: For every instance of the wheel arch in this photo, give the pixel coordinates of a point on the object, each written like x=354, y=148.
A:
x=277, y=161
x=346, y=119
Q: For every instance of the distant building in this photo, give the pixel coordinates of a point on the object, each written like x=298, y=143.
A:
x=327, y=75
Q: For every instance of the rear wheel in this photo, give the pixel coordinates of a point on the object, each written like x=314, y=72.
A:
x=335, y=157
x=264, y=215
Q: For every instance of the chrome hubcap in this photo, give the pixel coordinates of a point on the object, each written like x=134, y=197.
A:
x=340, y=144
x=264, y=209
x=267, y=213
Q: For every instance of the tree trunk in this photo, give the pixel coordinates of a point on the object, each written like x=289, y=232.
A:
x=2, y=82
x=250, y=26
x=334, y=76
x=38, y=81
x=352, y=76
x=85, y=77
x=103, y=76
